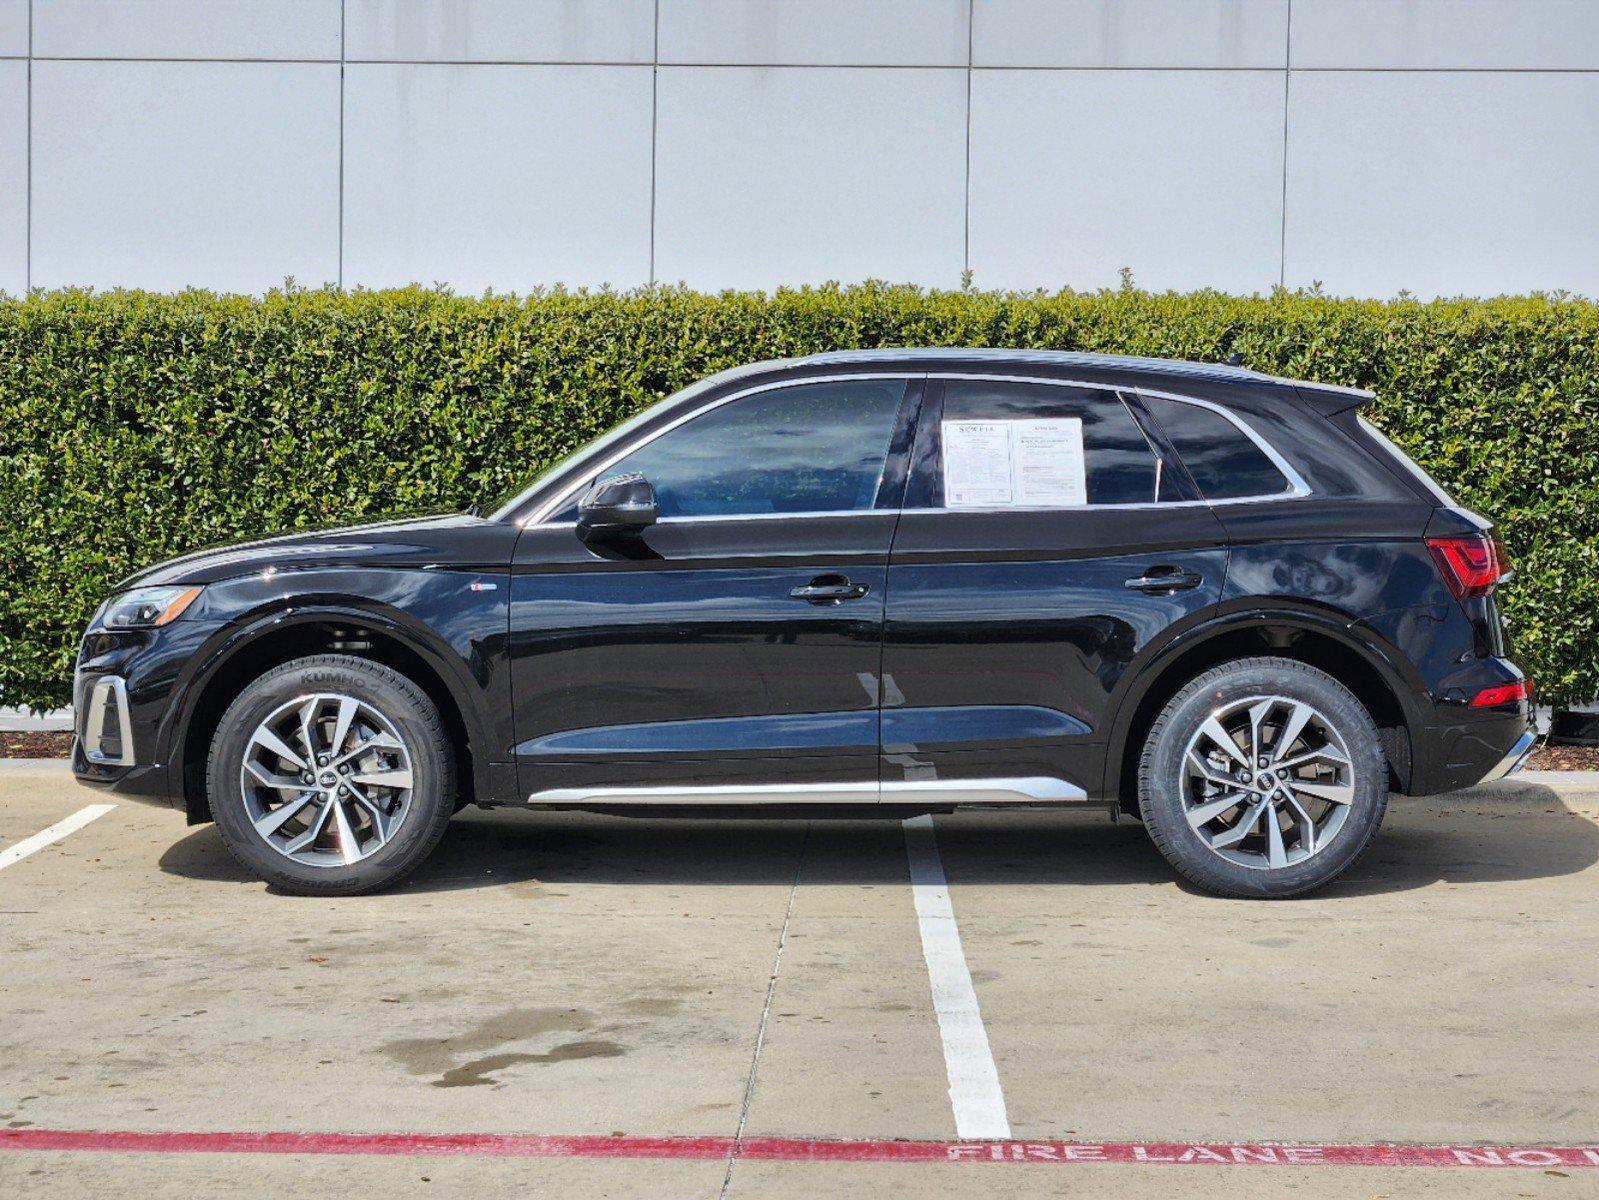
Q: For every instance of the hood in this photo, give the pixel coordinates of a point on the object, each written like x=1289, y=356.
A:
x=416, y=541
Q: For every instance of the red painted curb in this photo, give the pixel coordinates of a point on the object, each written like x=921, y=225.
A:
x=517, y=1145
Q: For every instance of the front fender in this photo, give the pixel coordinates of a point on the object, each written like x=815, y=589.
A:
x=457, y=630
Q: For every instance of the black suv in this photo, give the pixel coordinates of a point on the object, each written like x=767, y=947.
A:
x=867, y=583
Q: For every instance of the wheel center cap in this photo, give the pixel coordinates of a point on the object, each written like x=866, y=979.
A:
x=1265, y=781
x=329, y=779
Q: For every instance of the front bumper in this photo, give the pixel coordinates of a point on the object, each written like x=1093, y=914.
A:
x=106, y=748
x=124, y=692
x=104, y=727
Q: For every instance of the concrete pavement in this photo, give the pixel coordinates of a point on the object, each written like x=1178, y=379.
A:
x=571, y=974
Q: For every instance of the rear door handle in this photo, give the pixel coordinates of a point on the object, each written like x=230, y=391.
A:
x=829, y=589
x=1164, y=579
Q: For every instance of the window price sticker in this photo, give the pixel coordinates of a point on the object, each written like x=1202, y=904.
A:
x=1014, y=464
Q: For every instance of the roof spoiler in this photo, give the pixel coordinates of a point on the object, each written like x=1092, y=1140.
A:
x=1329, y=399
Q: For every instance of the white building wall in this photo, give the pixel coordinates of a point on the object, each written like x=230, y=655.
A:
x=1439, y=146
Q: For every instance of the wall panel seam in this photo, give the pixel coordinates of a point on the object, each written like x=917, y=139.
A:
x=791, y=66
x=966, y=211
x=172, y=58
x=655, y=130
x=340, y=270
x=27, y=170
x=1282, y=213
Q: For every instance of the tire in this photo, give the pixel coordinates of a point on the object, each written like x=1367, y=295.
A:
x=1326, y=803
x=388, y=733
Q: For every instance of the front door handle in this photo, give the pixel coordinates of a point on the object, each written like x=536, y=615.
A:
x=829, y=589
x=1164, y=579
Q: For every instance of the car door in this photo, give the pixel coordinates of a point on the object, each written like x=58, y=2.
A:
x=730, y=651
x=1045, y=544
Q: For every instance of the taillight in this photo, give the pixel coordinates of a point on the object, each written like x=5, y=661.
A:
x=1470, y=565
x=1504, y=693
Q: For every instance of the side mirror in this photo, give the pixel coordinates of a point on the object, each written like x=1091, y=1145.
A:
x=619, y=505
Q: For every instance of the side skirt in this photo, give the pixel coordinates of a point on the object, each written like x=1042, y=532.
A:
x=938, y=793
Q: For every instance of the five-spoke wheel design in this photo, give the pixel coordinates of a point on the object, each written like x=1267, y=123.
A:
x=327, y=779
x=1267, y=782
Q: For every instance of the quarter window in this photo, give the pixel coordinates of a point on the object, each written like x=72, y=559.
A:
x=1427, y=482
x=1222, y=459
x=1024, y=445
x=807, y=448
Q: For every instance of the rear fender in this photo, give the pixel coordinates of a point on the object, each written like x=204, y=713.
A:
x=1162, y=672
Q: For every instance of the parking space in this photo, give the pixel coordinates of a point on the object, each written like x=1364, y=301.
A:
x=1443, y=991
x=761, y=991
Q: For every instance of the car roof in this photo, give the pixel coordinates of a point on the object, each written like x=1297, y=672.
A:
x=930, y=357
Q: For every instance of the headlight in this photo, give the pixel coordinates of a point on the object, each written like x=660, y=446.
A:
x=145, y=607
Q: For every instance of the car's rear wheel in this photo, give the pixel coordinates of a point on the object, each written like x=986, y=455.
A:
x=331, y=775
x=1263, y=777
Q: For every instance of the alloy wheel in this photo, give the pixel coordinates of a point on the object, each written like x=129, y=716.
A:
x=327, y=780
x=1267, y=782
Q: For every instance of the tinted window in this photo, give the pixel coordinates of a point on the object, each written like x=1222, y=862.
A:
x=1221, y=458
x=1430, y=485
x=1117, y=466
x=808, y=448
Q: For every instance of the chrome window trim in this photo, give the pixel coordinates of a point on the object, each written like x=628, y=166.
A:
x=765, y=516
x=568, y=491
x=1297, y=487
x=1031, y=789
x=1129, y=506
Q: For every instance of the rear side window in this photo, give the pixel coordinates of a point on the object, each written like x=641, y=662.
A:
x=1223, y=460
x=1005, y=445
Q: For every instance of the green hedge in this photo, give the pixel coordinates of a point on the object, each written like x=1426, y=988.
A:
x=136, y=426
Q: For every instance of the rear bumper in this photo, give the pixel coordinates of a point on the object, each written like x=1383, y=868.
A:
x=1515, y=758
x=1470, y=750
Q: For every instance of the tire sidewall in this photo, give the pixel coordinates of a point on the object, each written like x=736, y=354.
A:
x=416, y=720
x=1160, y=791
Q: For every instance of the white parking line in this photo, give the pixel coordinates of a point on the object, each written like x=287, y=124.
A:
x=974, y=1090
x=14, y=854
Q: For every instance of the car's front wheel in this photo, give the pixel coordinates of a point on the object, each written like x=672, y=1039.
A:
x=331, y=775
x=1262, y=777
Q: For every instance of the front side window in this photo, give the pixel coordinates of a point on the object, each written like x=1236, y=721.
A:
x=1222, y=459
x=1034, y=445
x=807, y=448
